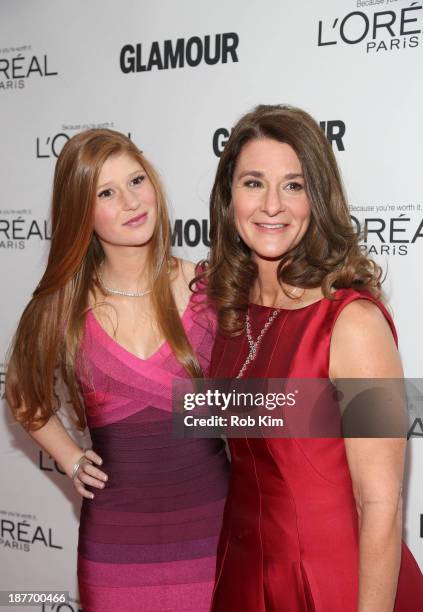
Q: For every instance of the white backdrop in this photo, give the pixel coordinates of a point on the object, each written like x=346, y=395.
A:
x=354, y=65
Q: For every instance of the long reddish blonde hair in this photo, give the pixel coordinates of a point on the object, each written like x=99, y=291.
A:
x=49, y=333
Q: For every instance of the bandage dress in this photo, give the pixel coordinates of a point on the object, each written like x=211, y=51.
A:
x=147, y=541
x=290, y=530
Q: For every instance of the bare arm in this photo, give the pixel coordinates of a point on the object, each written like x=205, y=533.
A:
x=363, y=347
x=56, y=441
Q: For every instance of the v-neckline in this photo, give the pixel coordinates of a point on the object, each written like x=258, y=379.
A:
x=119, y=349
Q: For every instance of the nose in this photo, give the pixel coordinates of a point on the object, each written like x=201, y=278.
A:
x=129, y=200
x=273, y=202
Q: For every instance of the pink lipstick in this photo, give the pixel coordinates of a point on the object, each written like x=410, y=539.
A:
x=136, y=221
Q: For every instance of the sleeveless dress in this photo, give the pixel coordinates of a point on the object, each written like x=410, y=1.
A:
x=289, y=539
x=148, y=540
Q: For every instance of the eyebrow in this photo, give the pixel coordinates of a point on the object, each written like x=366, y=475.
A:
x=258, y=174
x=130, y=174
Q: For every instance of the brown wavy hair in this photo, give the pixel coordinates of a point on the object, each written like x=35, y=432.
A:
x=329, y=254
x=45, y=345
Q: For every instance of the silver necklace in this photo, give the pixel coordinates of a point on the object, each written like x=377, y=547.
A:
x=120, y=292
x=254, y=344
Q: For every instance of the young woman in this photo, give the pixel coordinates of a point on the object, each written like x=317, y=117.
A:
x=309, y=524
x=114, y=317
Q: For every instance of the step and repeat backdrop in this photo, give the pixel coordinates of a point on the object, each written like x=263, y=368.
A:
x=176, y=76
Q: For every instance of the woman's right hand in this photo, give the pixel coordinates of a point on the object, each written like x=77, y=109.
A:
x=88, y=474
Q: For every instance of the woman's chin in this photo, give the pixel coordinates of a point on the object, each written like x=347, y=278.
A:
x=269, y=254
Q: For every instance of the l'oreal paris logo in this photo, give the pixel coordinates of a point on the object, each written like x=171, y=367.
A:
x=18, y=64
x=395, y=29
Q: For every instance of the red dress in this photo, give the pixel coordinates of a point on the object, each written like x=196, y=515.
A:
x=289, y=541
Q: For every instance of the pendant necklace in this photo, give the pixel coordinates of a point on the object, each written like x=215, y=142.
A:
x=254, y=344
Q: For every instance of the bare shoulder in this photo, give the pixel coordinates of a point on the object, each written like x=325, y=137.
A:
x=361, y=317
x=187, y=270
x=362, y=343
x=184, y=272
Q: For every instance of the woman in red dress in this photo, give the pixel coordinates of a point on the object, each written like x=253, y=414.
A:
x=309, y=524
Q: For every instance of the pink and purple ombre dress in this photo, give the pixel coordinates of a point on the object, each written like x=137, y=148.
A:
x=147, y=541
